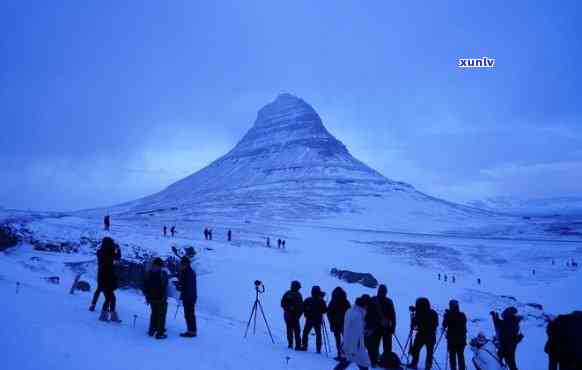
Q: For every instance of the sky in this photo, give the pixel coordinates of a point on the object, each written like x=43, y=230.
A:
x=103, y=102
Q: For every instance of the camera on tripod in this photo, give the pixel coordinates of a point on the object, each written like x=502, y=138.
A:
x=412, y=309
x=259, y=286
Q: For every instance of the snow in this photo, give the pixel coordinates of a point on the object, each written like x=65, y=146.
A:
x=287, y=178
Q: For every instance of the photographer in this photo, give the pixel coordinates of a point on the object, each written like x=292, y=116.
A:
x=507, y=329
x=425, y=320
x=380, y=324
x=156, y=292
x=353, y=347
x=292, y=304
x=314, y=307
x=337, y=308
x=455, y=322
x=188, y=295
x=107, y=279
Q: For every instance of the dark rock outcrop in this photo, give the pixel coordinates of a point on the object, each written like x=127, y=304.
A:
x=8, y=237
x=365, y=279
x=83, y=286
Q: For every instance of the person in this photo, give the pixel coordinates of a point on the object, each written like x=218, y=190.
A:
x=454, y=279
x=455, y=323
x=268, y=242
x=564, y=345
x=479, y=281
x=314, y=308
x=439, y=275
x=188, y=295
x=292, y=304
x=173, y=231
x=205, y=233
x=380, y=323
x=156, y=293
x=165, y=230
x=336, y=311
x=353, y=347
x=425, y=320
x=106, y=278
x=229, y=235
x=106, y=222
x=283, y=244
x=507, y=329
x=209, y=234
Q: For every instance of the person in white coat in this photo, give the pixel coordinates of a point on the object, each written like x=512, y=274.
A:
x=353, y=347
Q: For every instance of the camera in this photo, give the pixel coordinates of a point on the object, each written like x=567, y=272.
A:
x=259, y=286
x=258, y=283
x=412, y=309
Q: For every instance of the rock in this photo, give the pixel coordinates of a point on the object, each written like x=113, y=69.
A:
x=53, y=280
x=130, y=274
x=365, y=279
x=83, y=286
x=8, y=237
x=537, y=306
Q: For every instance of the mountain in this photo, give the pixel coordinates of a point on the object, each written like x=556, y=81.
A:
x=287, y=166
x=564, y=206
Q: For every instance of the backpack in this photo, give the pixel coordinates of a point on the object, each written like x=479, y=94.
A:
x=390, y=361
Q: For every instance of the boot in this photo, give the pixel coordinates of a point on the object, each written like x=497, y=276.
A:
x=104, y=316
x=188, y=334
x=92, y=308
x=114, y=317
x=161, y=336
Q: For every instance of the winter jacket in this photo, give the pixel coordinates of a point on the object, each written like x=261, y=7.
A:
x=187, y=285
x=456, y=324
x=292, y=304
x=353, y=346
x=426, y=323
x=106, y=255
x=507, y=330
x=565, y=340
x=156, y=286
x=388, y=318
x=336, y=312
x=314, y=308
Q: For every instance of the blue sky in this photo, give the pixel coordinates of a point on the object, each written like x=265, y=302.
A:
x=106, y=101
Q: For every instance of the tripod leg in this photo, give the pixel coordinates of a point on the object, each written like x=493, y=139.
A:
x=250, y=318
x=255, y=319
x=266, y=323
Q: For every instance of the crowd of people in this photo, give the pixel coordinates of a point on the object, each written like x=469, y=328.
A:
x=359, y=331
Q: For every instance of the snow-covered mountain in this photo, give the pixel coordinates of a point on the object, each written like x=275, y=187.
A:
x=287, y=166
x=564, y=206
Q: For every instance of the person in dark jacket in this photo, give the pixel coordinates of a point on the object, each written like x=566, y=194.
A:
x=455, y=323
x=425, y=321
x=381, y=318
x=165, y=230
x=564, y=345
x=292, y=304
x=173, y=231
x=336, y=311
x=507, y=329
x=106, y=278
x=314, y=308
x=156, y=291
x=188, y=295
x=229, y=235
x=106, y=222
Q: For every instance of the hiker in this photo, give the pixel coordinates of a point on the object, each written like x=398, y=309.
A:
x=205, y=233
x=454, y=279
x=188, y=295
x=455, y=323
x=229, y=235
x=106, y=222
x=283, y=244
x=106, y=278
x=425, y=320
x=439, y=275
x=353, y=347
x=268, y=242
x=156, y=294
x=564, y=345
x=165, y=231
x=292, y=304
x=336, y=311
x=173, y=231
x=507, y=329
x=380, y=324
x=445, y=277
x=313, y=308
x=478, y=281
x=279, y=243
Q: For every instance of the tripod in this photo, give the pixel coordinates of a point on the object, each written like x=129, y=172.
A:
x=259, y=289
x=325, y=336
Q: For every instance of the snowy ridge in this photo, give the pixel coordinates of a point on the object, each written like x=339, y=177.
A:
x=566, y=206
